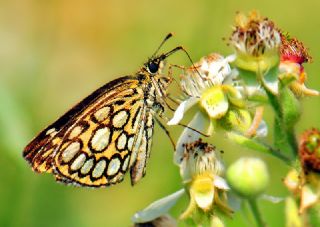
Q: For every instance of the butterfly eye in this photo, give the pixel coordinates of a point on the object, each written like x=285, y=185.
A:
x=153, y=67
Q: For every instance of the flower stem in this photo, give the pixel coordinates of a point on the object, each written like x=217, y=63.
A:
x=286, y=132
x=256, y=213
x=259, y=146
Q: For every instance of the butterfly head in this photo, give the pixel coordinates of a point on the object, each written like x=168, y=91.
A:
x=155, y=64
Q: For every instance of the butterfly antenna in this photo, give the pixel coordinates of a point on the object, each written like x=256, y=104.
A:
x=161, y=44
x=190, y=59
x=184, y=50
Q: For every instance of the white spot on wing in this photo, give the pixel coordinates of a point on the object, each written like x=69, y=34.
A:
x=125, y=163
x=100, y=140
x=114, y=166
x=70, y=151
x=120, y=119
x=99, y=168
x=78, y=162
x=87, y=166
x=122, y=140
x=102, y=113
x=130, y=142
x=136, y=145
x=52, y=132
x=75, y=132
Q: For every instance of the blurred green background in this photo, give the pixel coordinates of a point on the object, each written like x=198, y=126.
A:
x=53, y=53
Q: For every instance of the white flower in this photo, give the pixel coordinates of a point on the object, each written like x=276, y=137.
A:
x=201, y=170
x=210, y=85
x=211, y=71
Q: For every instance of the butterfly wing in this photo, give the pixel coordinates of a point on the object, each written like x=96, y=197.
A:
x=99, y=139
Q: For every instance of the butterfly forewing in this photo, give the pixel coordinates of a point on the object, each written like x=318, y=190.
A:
x=100, y=138
x=108, y=133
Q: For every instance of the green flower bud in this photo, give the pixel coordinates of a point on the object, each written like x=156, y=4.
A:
x=238, y=120
x=290, y=107
x=248, y=177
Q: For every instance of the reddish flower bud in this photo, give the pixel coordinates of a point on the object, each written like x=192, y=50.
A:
x=309, y=150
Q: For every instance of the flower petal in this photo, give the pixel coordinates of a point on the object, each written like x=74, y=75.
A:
x=234, y=201
x=231, y=58
x=220, y=183
x=157, y=208
x=182, y=108
x=252, y=86
x=272, y=199
x=215, y=102
x=262, y=130
x=200, y=122
x=271, y=81
x=202, y=191
x=308, y=198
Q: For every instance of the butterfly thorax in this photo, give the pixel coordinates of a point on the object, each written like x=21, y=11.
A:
x=155, y=89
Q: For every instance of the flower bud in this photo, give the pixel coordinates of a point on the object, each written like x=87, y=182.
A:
x=248, y=177
x=238, y=120
x=309, y=150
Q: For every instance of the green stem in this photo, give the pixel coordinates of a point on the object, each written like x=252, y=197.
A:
x=256, y=213
x=288, y=132
x=279, y=155
x=292, y=140
x=258, y=146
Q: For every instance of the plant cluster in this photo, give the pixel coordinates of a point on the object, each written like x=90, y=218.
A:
x=230, y=95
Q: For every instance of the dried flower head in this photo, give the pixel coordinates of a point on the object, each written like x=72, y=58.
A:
x=256, y=41
x=254, y=35
x=293, y=54
x=293, y=50
x=309, y=150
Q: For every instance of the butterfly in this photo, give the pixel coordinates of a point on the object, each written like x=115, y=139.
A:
x=106, y=134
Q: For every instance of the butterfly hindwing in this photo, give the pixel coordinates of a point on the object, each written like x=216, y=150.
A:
x=100, y=139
